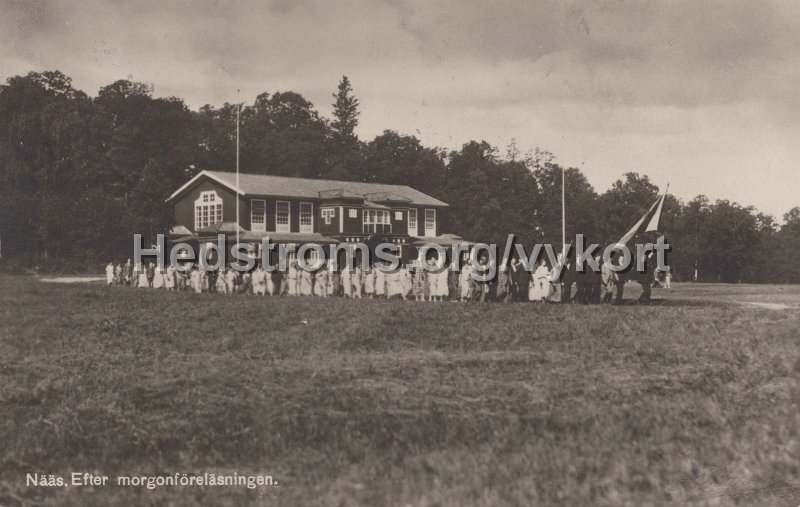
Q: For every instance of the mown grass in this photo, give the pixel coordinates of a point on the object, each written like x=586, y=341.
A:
x=396, y=403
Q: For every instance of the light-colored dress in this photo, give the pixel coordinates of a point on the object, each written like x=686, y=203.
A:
x=407, y=281
x=539, y=286
x=442, y=289
x=259, y=282
x=380, y=282
x=356, y=281
x=347, y=286
x=369, y=282
x=169, y=278
x=291, y=280
x=158, y=280
x=306, y=283
x=197, y=283
x=109, y=274
x=464, y=285
x=395, y=282
x=321, y=283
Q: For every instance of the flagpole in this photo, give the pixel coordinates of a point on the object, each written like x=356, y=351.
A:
x=563, y=216
x=238, y=109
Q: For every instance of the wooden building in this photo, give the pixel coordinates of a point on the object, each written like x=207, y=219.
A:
x=302, y=210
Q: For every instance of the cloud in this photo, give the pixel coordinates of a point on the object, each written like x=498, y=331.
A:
x=609, y=85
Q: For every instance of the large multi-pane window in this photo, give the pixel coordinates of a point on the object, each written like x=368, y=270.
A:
x=412, y=222
x=306, y=217
x=430, y=222
x=258, y=215
x=207, y=210
x=282, y=219
x=377, y=221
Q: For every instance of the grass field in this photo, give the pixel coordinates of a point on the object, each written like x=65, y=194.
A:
x=693, y=400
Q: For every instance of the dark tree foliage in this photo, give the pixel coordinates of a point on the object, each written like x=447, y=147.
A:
x=79, y=176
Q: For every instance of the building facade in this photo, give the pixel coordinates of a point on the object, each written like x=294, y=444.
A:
x=302, y=210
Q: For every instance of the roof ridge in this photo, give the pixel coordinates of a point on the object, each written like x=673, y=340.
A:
x=312, y=179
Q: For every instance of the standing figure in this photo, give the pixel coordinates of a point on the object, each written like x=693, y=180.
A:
x=110, y=273
x=306, y=287
x=195, y=277
x=380, y=280
x=158, y=279
x=465, y=282
x=540, y=283
x=292, y=276
x=346, y=281
x=442, y=288
x=355, y=279
x=321, y=282
x=369, y=281
x=118, y=274
x=169, y=278
x=259, y=281
x=609, y=280
x=395, y=282
x=150, y=271
x=418, y=281
x=127, y=273
x=503, y=290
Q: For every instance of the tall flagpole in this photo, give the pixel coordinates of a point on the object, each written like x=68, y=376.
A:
x=238, y=109
x=563, y=217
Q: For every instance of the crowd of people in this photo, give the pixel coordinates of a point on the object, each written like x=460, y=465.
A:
x=512, y=282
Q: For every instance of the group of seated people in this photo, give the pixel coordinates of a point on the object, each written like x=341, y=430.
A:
x=512, y=282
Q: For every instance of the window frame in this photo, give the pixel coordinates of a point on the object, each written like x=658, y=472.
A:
x=310, y=215
x=433, y=212
x=412, y=224
x=327, y=214
x=208, y=209
x=263, y=223
x=287, y=227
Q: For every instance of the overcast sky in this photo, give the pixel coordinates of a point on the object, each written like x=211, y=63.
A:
x=704, y=95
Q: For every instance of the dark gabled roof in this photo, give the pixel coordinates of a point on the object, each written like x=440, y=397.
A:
x=260, y=184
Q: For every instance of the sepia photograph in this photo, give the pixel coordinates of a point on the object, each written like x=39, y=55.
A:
x=400, y=253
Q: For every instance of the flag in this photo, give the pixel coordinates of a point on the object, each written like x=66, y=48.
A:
x=648, y=223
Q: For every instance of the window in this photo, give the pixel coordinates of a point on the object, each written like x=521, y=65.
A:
x=327, y=215
x=306, y=217
x=376, y=221
x=207, y=210
x=353, y=213
x=412, y=222
x=398, y=215
x=430, y=222
x=282, y=221
x=258, y=215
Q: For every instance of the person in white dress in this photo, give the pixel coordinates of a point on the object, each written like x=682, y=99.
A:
x=464, y=282
x=380, y=281
x=442, y=288
x=395, y=283
x=347, y=285
x=291, y=278
x=196, y=280
x=369, y=282
x=321, y=282
x=158, y=279
x=110, y=273
x=306, y=283
x=169, y=278
x=540, y=283
x=259, y=279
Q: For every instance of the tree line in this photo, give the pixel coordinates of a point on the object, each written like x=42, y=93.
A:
x=79, y=175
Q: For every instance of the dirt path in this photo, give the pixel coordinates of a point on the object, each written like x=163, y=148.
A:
x=73, y=279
